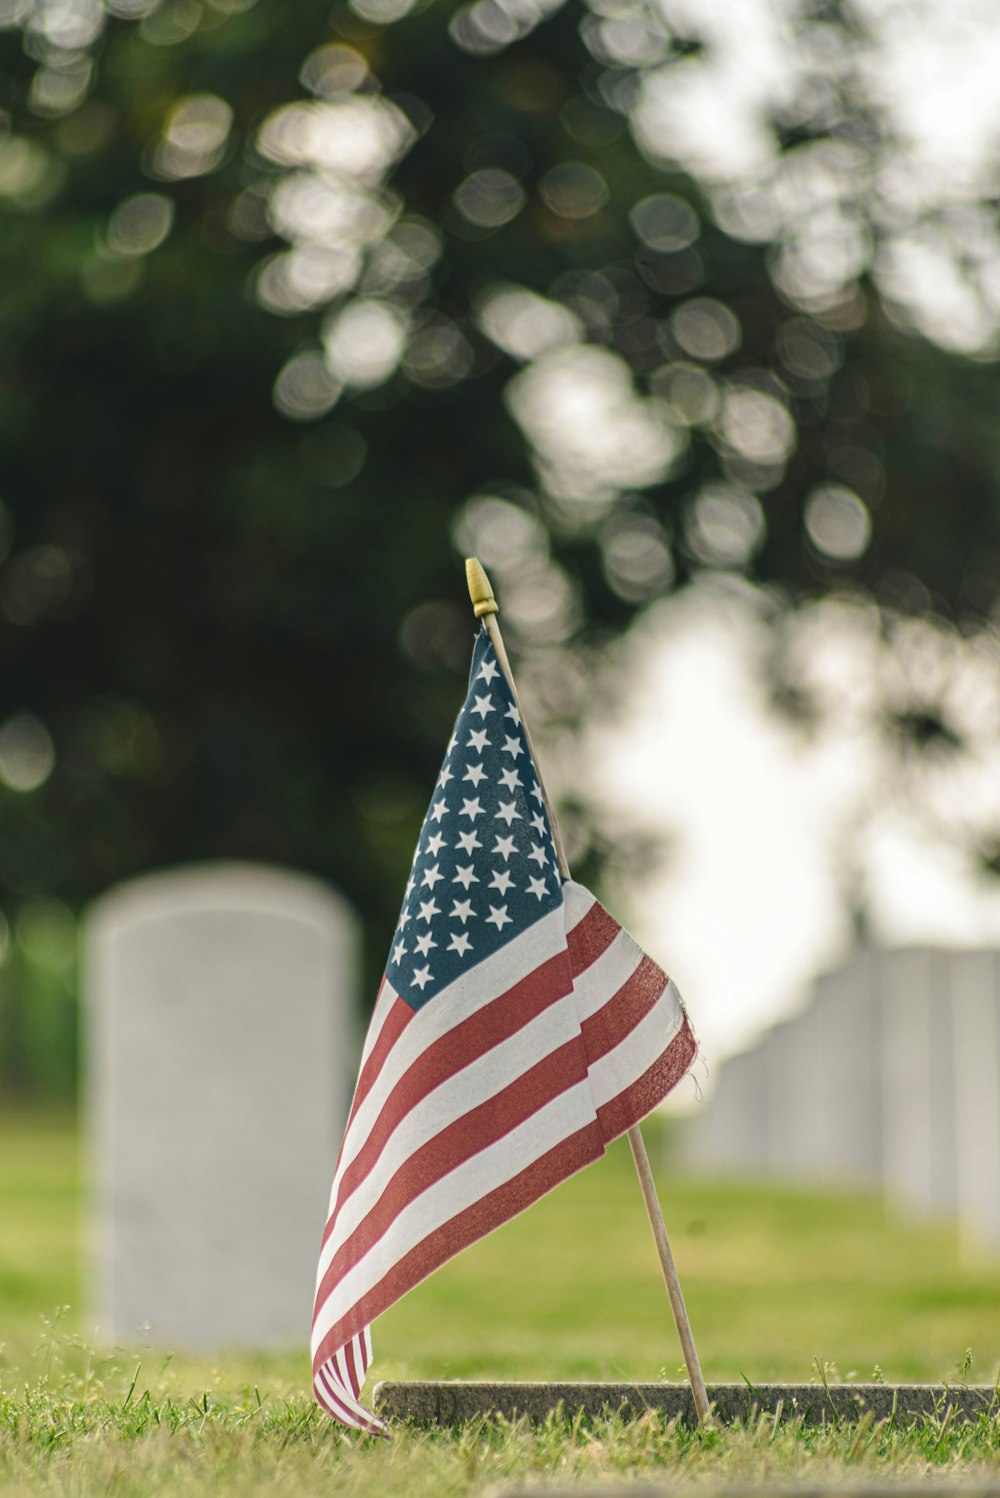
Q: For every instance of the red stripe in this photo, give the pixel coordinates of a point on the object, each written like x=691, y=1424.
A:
x=609, y=1025
x=350, y=1376
x=399, y=1016
x=396, y=1021
x=464, y=1043
x=498, y=1206
x=632, y=1105
x=346, y=1415
x=466, y=1136
x=591, y=937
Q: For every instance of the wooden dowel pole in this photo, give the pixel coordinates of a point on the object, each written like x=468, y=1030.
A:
x=485, y=606
x=670, y=1276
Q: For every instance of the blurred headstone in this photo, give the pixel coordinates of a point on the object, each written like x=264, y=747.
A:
x=220, y=1001
x=975, y=1006
x=890, y=1077
x=919, y=1081
x=824, y=1089
x=730, y=1133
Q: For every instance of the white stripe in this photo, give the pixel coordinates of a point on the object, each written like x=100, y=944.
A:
x=383, y=1004
x=476, y=1083
x=599, y=982
x=461, y=1188
x=339, y=1361
x=466, y=996
x=640, y=1048
x=578, y=901
x=328, y=1386
x=326, y=1400
x=360, y=1363
x=336, y=1389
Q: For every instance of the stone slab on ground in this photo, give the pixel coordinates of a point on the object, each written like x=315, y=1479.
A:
x=778, y=1486
x=452, y=1402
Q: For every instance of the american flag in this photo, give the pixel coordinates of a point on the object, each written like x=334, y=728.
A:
x=517, y=1031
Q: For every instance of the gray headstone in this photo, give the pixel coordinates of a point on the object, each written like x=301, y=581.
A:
x=220, y=1049
x=823, y=1084
x=975, y=1005
x=919, y=1082
x=730, y=1132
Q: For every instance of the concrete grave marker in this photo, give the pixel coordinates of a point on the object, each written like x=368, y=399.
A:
x=730, y=1133
x=919, y=1113
x=220, y=1049
x=823, y=1064
x=975, y=1007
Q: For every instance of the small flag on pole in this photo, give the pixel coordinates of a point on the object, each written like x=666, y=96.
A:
x=518, y=1030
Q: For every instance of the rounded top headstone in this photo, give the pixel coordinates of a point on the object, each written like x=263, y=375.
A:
x=219, y=886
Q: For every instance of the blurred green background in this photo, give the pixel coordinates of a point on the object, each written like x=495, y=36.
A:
x=777, y=1282
x=298, y=304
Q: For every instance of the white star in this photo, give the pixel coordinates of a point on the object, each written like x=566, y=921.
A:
x=422, y=976
x=487, y=671
x=513, y=714
x=537, y=887
x=512, y=747
x=508, y=813
x=465, y=876
x=536, y=791
x=459, y=943
x=510, y=778
x=475, y=773
x=538, y=854
x=404, y=919
x=424, y=943
x=428, y=910
x=504, y=846
x=438, y=809
x=498, y=917
x=462, y=911
x=398, y=952
x=408, y=891
x=484, y=705
x=452, y=742
x=468, y=840
x=444, y=777
x=478, y=740
x=538, y=822
x=432, y=875
x=502, y=881
x=471, y=809
x=436, y=843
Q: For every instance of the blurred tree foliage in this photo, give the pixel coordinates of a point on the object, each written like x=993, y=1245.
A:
x=292, y=295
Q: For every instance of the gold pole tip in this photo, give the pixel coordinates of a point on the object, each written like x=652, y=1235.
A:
x=480, y=591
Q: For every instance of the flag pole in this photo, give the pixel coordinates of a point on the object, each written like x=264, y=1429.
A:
x=485, y=607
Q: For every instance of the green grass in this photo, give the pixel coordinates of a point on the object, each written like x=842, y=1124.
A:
x=774, y=1280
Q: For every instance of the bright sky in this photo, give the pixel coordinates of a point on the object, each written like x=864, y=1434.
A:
x=767, y=827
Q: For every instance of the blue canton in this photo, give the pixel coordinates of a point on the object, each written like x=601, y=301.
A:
x=485, y=867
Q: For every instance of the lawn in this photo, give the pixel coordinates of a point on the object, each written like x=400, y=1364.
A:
x=775, y=1280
